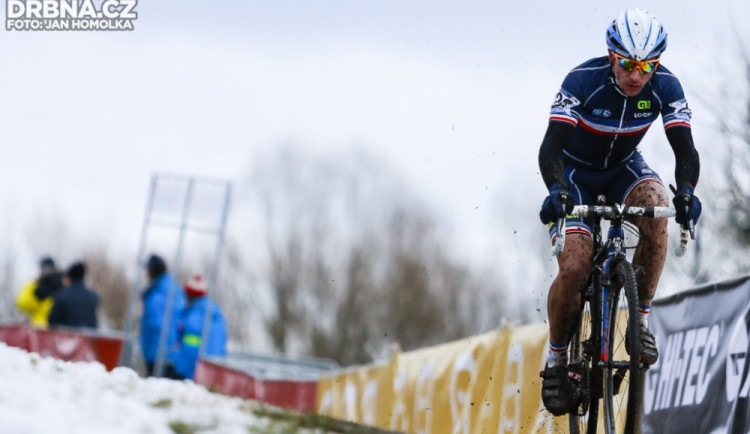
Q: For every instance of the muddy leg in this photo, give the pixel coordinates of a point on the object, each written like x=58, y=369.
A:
x=652, y=250
x=563, y=300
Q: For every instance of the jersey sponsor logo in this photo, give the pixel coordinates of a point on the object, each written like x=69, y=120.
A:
x=681, y=110
x=644, y=105
x=564, y=103
x=602, y=113
x=642, y=115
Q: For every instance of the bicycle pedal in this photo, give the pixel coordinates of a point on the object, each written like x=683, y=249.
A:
x=588, y=346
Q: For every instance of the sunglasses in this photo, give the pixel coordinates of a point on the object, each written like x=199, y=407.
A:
x=631, y=65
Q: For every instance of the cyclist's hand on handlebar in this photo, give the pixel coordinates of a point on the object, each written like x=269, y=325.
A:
x=686, y=204
x=557, y=205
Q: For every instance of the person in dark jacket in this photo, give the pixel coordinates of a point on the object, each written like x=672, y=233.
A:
x=50, y=281
x=35, y=298
x=190, y=328
x=75, y=305
x=162, y=286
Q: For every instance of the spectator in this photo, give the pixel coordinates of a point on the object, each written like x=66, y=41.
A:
x=155, y=298
x=35, y=298
x=75, y=304
x=190, y=328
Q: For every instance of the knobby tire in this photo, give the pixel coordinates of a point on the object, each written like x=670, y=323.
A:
x=622, y=372
x=582, y=350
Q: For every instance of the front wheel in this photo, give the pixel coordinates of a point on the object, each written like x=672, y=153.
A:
x=622, y=370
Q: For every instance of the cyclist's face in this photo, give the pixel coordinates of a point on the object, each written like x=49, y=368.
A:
x=630, y=82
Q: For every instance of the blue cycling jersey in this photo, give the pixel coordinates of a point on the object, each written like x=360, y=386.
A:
x=608, y=124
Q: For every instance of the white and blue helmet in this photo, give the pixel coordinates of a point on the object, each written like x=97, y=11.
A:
x=636, y=34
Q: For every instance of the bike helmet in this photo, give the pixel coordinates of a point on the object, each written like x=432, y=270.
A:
x=636, y=34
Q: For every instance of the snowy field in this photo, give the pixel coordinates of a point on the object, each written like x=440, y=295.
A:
x=40, y=395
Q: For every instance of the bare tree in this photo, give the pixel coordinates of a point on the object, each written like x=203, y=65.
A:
x=233, y=294
x=725, y=224
x=419, y=307
x=286, y=278
x=355, y=262
x=736, y=131
x=107, y=276
x=8, y=311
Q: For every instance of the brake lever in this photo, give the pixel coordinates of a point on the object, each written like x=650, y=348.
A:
x=557, y=248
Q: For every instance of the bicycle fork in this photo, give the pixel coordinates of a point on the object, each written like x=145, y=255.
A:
x=604, y=338
x=614, y=253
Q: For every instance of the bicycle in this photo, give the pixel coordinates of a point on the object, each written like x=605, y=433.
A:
x=600, y=349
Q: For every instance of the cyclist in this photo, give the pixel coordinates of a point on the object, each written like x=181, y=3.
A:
x=598, y=118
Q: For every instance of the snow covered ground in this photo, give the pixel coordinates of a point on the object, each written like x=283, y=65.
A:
x=40, y=395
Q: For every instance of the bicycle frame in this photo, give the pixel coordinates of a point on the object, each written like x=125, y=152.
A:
x=605, y=285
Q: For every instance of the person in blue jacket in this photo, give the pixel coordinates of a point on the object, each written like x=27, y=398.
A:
x=162, y=286
x=190, y=328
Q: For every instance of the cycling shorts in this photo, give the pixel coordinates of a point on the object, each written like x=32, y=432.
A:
x=615, y=183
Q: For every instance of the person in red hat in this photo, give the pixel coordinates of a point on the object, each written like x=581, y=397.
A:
x=190, y=328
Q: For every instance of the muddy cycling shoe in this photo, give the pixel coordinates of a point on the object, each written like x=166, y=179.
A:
x=560, y=389
x=649, y=354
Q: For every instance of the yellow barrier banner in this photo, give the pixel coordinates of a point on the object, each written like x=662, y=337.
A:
x=521, y=409
x=363, y=395
x=486, y=384
x=445, y=386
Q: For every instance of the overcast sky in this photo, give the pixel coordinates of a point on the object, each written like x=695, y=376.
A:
x=454, y=94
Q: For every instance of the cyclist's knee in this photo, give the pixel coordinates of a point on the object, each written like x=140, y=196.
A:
x=653, y=231
x=574, y=276
x=574, y=272
x=648, y=193
x=574, y=263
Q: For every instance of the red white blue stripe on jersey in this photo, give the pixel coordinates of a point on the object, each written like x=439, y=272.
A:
x=676, y=123
x=610, y=125
x=569, y=119
x=608, y=130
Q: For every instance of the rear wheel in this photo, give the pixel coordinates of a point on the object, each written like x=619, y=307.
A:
x=582, y=350
x=622, y=371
